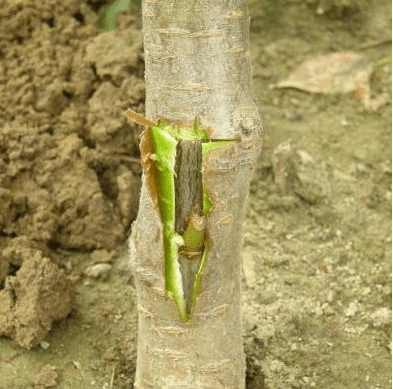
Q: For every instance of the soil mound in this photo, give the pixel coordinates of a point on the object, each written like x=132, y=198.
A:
x=66, y=152
x=69, y=172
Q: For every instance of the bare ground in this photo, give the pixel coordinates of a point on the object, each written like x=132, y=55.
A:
x=317, y=247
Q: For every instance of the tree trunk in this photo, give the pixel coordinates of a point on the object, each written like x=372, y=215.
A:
x=197, y=68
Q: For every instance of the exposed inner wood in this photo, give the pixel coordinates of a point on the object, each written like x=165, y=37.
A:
x=188, y=197
x=188, y=182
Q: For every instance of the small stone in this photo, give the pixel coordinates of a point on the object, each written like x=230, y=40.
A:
x=46, y=377
x=340, y=176
x=366, y=291
x=297, y=173
x=276, y=366
x=352, y=309
x=101, y=256
x=381, y=317
x=328, y=310
x=293, y=115
x=44, y=345
x=320, y=11
x=100, y=270
x=344, y=122
x=295, y=102
x=358, y=169
x=330, y=296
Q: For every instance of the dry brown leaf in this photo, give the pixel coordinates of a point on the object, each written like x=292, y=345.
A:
x=342, y=72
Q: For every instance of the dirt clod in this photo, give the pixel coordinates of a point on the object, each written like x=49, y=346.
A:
x=46, y=377
x=33, y=299
x=297, y=173
x=101, y=256
x=66, y=151
x=98, y=270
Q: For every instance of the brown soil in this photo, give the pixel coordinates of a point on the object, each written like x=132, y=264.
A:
x=317, y=249
x=66, y=149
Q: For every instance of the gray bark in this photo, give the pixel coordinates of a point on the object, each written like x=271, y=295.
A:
x=197, y=67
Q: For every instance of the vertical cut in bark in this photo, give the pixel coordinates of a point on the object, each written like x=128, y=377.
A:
x=188, y=182
x=188, y=194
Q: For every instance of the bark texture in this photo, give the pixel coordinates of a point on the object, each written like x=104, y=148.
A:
x=197, y=67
